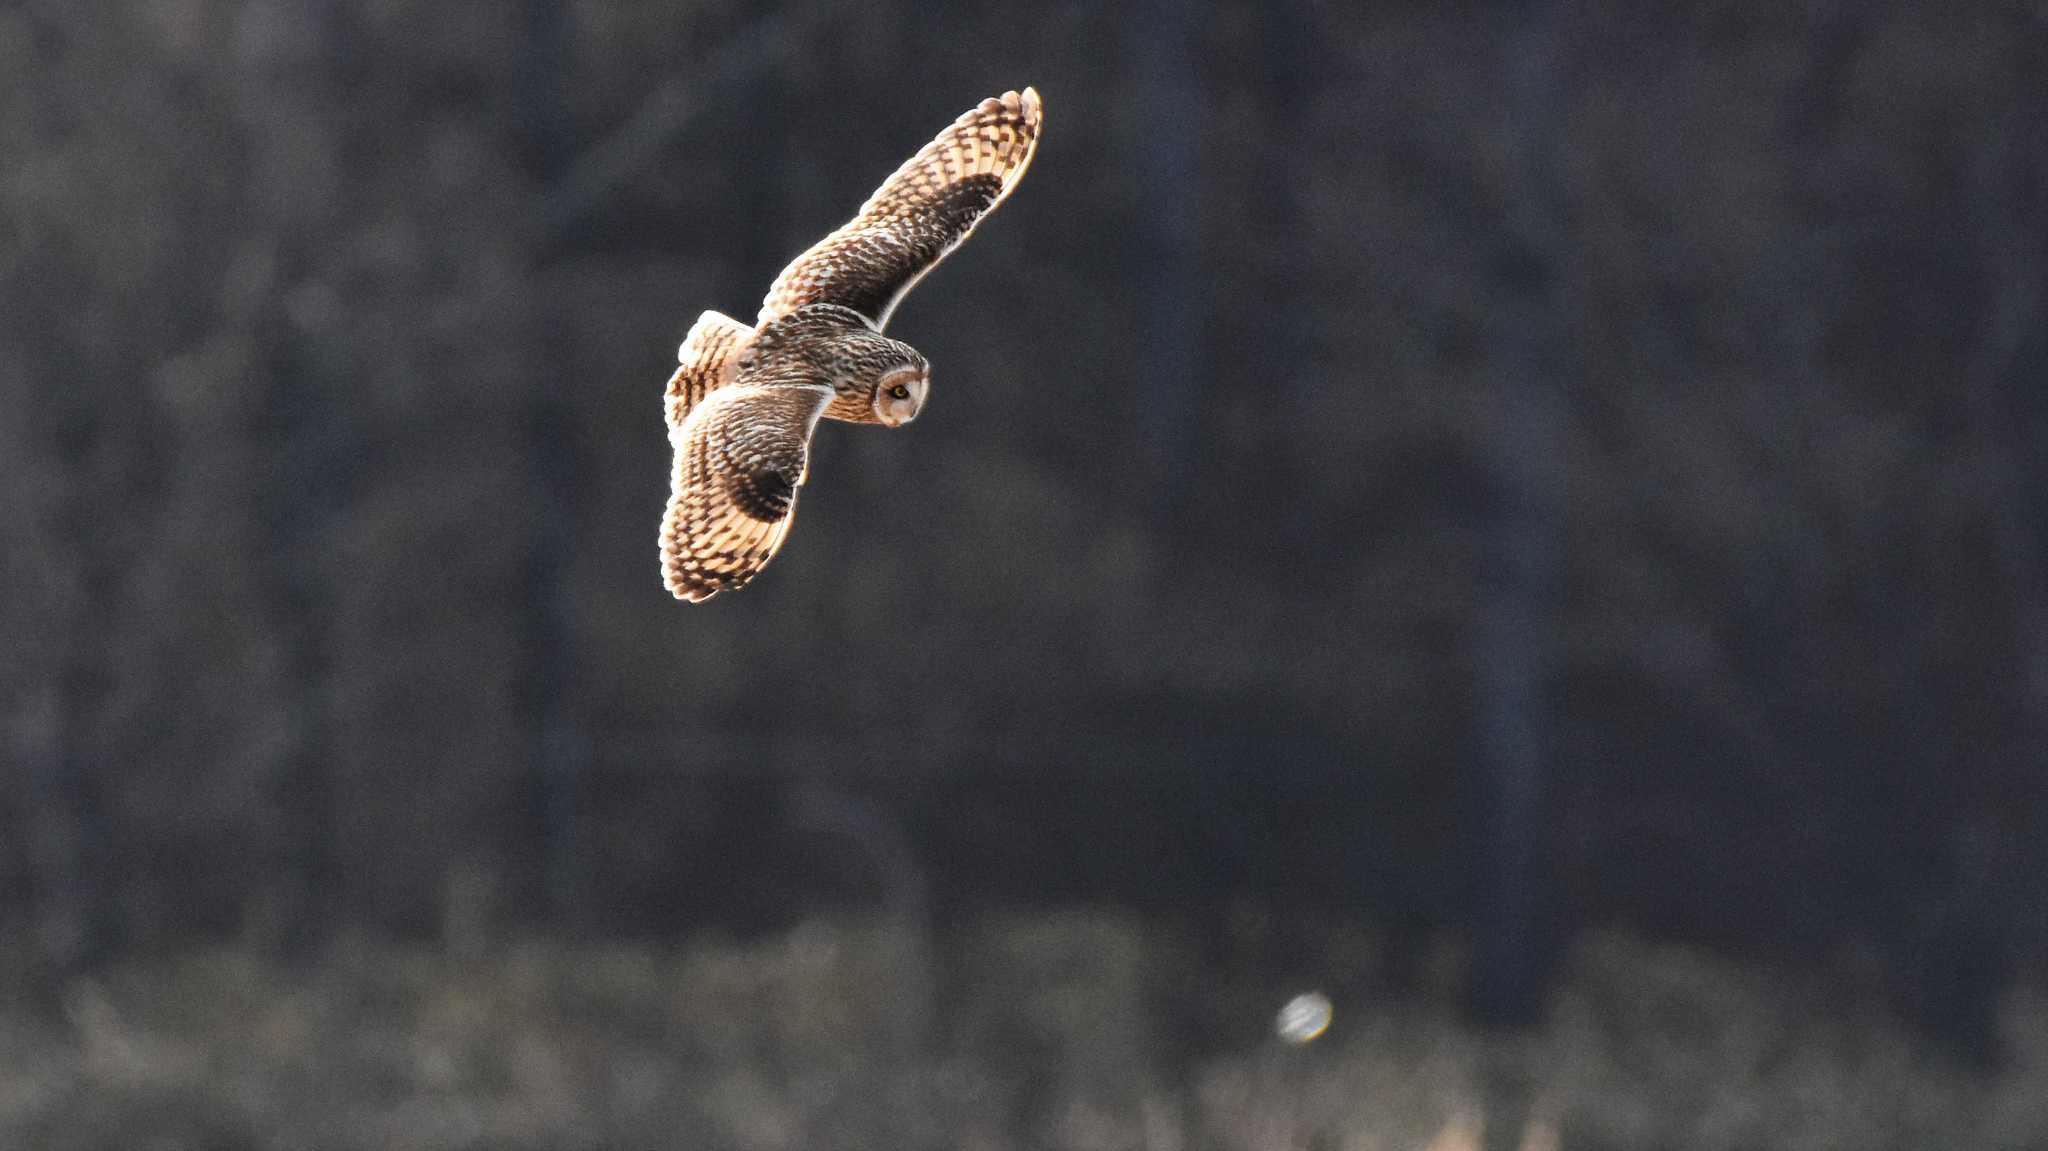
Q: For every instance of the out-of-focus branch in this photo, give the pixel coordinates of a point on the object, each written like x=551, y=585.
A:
x=1518, y=617
x=662, y=116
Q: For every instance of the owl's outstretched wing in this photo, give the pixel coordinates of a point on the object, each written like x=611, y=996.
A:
x=740, y=457
x=918, y=215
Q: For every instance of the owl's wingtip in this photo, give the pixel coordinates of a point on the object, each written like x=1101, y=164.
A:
x=687, y=591
x=1026, y=104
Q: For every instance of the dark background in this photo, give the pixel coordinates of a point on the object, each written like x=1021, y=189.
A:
x=1502, y=475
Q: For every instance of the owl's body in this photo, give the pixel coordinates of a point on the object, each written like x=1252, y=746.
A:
x=744, y=402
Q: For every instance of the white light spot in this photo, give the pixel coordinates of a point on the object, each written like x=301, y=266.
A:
x=1305, y=1017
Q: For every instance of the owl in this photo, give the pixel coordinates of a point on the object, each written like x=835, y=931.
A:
x=744, y=402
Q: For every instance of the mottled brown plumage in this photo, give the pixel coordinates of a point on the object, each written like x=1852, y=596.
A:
x=739, y=460
x=743, y=403
x=924, y=210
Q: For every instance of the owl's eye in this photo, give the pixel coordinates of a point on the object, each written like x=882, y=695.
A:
x=900, y=392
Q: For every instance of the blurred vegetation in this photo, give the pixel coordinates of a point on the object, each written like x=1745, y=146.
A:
x=1046, y=1031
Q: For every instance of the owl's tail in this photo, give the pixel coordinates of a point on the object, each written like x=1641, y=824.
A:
x=707, y=361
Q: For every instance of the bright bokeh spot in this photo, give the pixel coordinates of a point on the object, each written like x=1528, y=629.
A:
x=1305, y=1017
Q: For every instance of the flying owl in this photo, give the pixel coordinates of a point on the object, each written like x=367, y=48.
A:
x=743, y=404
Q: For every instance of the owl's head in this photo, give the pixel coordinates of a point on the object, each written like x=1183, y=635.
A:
x=877, y=380
x=899, y=394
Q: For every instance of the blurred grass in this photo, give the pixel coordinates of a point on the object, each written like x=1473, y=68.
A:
x=1081, y=1029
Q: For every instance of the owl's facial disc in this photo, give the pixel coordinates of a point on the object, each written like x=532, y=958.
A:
x=900, y=395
